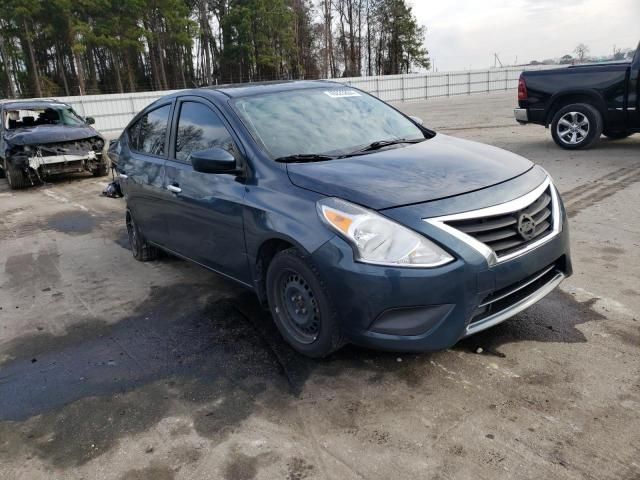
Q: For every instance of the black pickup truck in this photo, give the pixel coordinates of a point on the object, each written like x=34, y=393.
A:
x=582, y=102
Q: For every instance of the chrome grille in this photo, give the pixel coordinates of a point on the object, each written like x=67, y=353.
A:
x=513, y=231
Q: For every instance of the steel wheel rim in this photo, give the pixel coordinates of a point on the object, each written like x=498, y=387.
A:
x=573, y=128
x=298, y=307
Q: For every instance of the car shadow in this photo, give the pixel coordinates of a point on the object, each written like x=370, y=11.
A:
x=223, y=358
x=554, y=319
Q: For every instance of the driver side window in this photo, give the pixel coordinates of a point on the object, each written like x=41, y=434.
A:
x=200, y=128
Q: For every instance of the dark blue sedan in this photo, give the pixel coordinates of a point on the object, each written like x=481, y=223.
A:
x=351, y=221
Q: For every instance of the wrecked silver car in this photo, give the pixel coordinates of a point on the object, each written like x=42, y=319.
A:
x=45, y=137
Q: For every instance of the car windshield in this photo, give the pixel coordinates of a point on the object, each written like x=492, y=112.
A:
x=38, y=116
x=322, y=121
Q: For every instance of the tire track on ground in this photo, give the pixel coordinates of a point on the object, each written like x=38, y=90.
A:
x=588, y=195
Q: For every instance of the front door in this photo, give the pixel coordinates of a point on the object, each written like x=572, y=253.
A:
x=204, y=214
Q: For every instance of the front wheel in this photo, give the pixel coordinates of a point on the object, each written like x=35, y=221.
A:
x=102, y=168
x=300, y=305
x=16, y=178
x=576, y=126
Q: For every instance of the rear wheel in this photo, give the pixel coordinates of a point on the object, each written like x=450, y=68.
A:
x=301, y=306
x=15, y=177
x=576, y=126
x=616, y=135
x=142, y=250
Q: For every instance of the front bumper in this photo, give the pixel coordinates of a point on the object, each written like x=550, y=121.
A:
x=66, y=163
x=521, y=115
x=406, y=309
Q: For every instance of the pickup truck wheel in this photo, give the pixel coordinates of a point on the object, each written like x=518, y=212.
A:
x=140, y=248
x=300, y=305
x=15, y=177
x=576, y=126
x=616, y=135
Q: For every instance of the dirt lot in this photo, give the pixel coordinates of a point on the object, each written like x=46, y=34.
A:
x=110, y=368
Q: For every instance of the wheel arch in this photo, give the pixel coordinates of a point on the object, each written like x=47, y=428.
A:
x=265, y=253
x=563, y=99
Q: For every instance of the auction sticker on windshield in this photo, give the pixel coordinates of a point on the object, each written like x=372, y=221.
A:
x=341, y=93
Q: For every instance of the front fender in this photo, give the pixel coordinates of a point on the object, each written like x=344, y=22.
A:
x=290, y=216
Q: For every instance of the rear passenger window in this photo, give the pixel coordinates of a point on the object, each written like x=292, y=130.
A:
x=149, y=133
x=200, y=128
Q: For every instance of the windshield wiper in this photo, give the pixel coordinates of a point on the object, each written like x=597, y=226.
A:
x=304, y=157
x=383, y=143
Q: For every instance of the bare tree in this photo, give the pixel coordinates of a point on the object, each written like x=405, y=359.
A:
x=329, y=69
x=618, y=54
x=581, y=51
x=4, y=57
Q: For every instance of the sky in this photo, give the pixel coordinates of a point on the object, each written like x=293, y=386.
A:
x=464, y=34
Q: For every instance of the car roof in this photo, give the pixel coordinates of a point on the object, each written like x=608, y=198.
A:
x=31, y=104
x=246, y=89
x=235, y=90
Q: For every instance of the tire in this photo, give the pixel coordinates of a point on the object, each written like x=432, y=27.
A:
x=300, y=305
x=103, y=167
x=142, y=250
x=576, y=126
x=15, y=177
x=101, y=171
x=616, y=135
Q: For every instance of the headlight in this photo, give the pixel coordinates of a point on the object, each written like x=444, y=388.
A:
x=378, y=240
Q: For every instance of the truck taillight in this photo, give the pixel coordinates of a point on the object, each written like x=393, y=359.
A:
x=522, y=89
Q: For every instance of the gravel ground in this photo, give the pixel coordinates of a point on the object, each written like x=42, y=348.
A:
x=114, y=369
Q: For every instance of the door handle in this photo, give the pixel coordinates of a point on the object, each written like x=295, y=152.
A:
x=174, y=188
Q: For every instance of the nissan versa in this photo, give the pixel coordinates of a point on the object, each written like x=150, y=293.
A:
x=351, y=221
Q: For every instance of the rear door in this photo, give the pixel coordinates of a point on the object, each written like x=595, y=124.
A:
x=141, y=167
x=204, y=210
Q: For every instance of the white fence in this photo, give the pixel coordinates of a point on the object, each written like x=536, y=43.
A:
x=113, y=112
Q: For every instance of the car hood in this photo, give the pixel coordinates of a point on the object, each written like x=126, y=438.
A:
x=48, y=134
x=439, y=167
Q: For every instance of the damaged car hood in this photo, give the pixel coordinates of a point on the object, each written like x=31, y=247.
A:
x=439, y=167
x=48, y=134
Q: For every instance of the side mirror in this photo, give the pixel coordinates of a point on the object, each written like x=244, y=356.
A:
x=213, y=160
x=90, y=120
x=417, y=120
